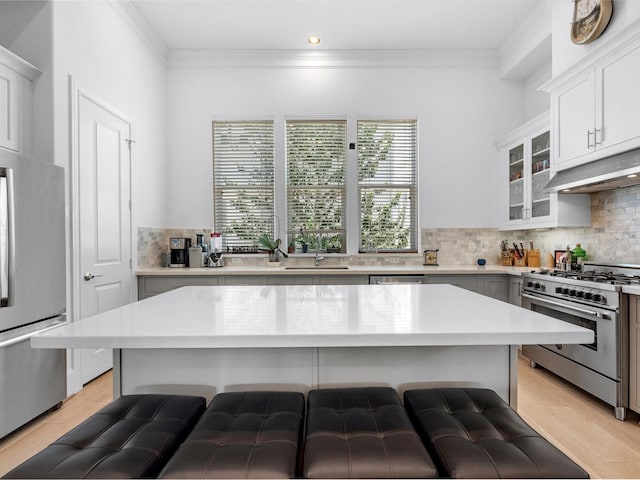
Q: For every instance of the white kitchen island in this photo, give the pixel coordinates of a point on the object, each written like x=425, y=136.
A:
x=205, y=340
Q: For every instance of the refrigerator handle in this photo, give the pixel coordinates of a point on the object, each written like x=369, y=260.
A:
x=5, y=206
x=21, y=337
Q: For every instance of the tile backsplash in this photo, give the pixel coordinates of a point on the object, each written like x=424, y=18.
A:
x=612, y=237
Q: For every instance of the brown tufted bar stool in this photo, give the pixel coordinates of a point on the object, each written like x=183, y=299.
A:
x=132, y=437
x=243, y=435
x=362, y=433
x=473, y=433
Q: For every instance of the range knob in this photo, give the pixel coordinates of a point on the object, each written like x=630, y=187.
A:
x=537, y=286
x=530, y=283
x=588, y=295
x=572, y=293
x=565, y=290
x=580, y=294
x=597, y=297
x=558, y=289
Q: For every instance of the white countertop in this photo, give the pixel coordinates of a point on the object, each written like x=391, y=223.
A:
x=313, y=316
x=351, y=270
x=631, y=289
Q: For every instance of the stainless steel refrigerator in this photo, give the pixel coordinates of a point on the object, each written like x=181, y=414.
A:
x=32, y=287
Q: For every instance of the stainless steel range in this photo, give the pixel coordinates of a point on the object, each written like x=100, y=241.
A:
x=591, y=298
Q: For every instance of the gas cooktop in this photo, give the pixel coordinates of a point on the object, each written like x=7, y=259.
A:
x=609, y=277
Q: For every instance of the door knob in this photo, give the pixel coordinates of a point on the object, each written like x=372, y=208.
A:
x=89, y=276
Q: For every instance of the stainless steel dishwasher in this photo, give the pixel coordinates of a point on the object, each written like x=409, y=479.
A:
x=393, y=279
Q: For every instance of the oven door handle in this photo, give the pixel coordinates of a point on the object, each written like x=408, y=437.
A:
x=570, y=307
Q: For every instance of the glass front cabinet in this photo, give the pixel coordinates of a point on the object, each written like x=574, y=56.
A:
x=526, y=160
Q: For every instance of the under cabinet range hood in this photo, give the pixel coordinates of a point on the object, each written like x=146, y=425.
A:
x=620, y=170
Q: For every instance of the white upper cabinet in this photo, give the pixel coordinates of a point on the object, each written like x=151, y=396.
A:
x=525, y=157
x=9, y=109
x=15, y=100
x=595, y=106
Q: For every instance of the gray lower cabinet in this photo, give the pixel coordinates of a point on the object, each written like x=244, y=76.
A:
x=243, y=280
x=634, y=353
x=149, y=286
x=499, y=287
x=515, y=287
x=342, y=279
x=468, y=282
x=494, y=286
x=153, y=285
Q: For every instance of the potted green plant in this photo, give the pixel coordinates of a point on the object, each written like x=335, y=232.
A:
x=266, y=244
x=303, y=240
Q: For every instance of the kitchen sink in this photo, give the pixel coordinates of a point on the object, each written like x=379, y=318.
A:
x=320, y=267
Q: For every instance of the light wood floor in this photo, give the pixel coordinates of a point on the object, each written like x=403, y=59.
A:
x=580, y=425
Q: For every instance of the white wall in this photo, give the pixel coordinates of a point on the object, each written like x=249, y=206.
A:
x=106, y=58
x=537, y=102
x=97, y=47
x=565, y=52
x=461, y=112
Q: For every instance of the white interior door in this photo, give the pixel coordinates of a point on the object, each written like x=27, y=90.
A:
x=104, y=194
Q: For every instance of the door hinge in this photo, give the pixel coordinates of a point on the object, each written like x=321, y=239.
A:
x=130, y=263
x=129, y=142
x=129, y=205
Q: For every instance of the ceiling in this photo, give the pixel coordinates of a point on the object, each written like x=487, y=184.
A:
x=341, y=24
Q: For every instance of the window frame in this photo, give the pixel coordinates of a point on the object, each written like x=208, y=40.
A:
x=293, y=232
x=414, y=224
x=351, y=212
x=216, y=189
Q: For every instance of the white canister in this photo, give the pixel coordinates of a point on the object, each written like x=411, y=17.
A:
x=195, y=257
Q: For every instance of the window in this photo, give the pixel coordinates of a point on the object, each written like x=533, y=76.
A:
x=387, y=180
x=243, y=188
x=316, y=186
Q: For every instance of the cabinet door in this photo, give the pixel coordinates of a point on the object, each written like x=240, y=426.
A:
x=341, y=280
x=634, y=354
x=290, y=280
x=618, y=125
x=9, y=109
x=574, y=121
x=540, y=201
x=468, y=282
x=515, y=195
x=243, y=280
x=495, y=286
x=153, y=285
x=515, y=286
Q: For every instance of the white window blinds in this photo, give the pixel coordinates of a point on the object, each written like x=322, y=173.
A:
x=387, y=185
x=316, y=189
x=243, y=180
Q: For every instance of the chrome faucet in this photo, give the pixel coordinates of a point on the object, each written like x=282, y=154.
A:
x=318, y=258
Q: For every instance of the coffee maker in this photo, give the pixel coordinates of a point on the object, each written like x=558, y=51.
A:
x=179, y=248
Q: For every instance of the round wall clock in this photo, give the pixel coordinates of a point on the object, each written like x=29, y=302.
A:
x=590, y=18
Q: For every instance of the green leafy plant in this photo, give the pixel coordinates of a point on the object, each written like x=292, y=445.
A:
x=265, y=243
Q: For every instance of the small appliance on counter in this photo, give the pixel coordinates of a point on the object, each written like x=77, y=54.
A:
x=179, y=251
x=195, y=257
x=216, y=259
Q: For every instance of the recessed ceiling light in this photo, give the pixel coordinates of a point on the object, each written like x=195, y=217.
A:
x=633, y=175
x=566, y=190
x=313, y=39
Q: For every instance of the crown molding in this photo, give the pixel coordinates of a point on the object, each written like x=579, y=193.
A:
x=331, y=58
x=18, y=64
x=141, y=27
x=528, y=46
